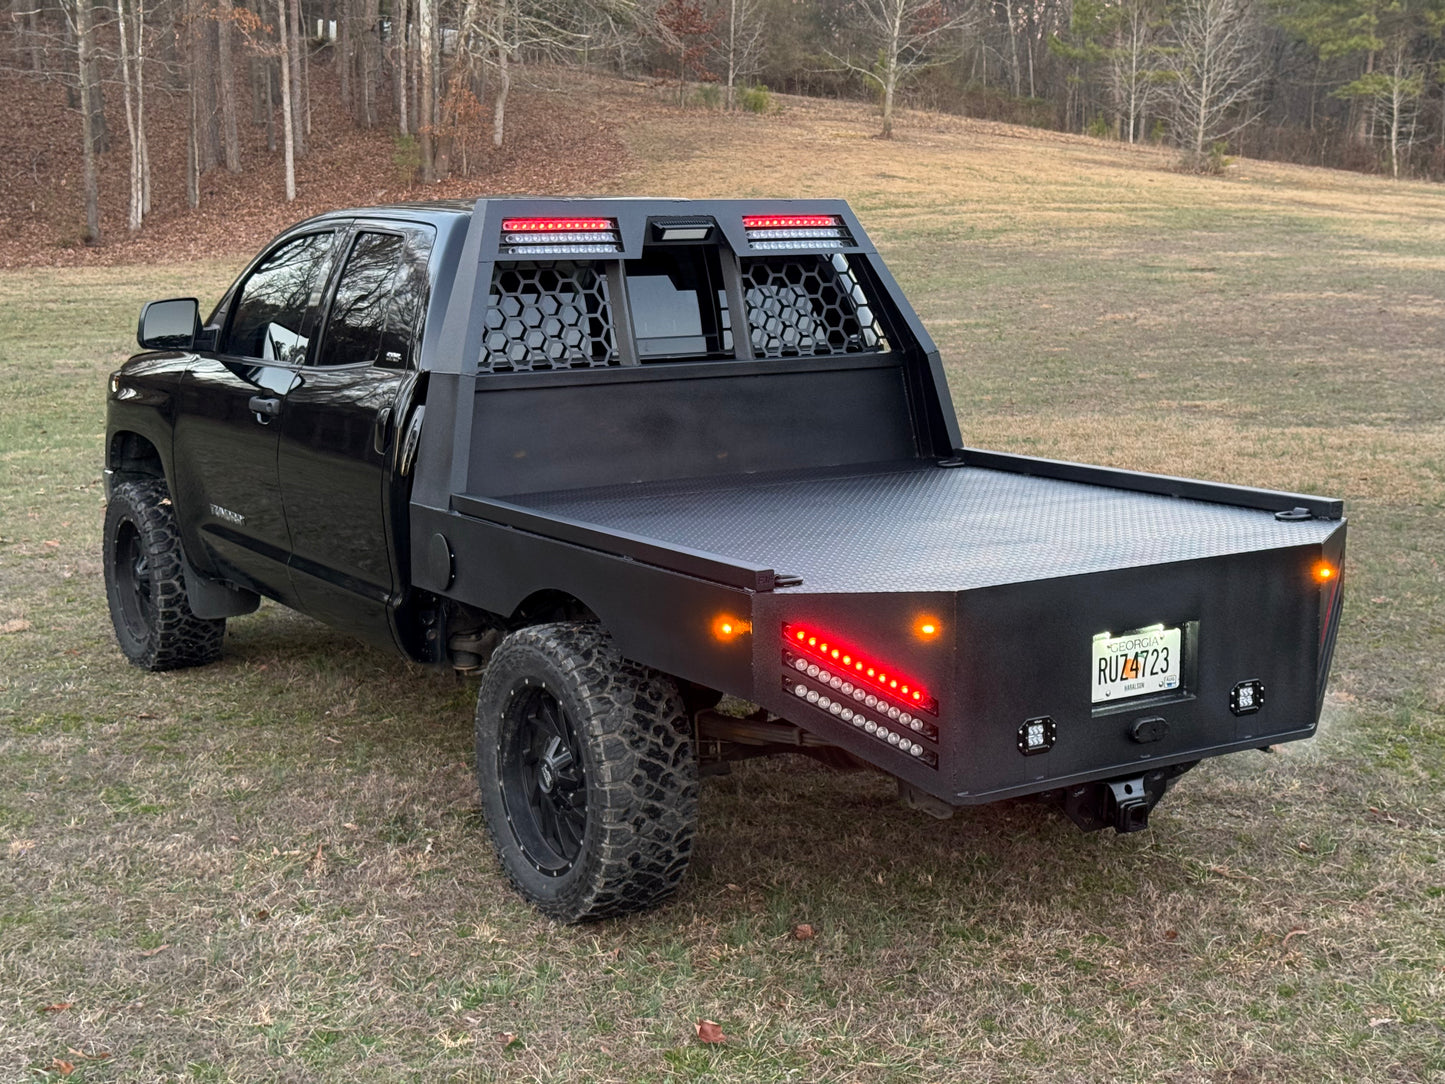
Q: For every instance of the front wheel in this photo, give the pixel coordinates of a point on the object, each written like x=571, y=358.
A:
x=588, y=773
x=145, y=583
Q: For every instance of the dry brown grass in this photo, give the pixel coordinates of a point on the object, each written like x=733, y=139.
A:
x=271, y=869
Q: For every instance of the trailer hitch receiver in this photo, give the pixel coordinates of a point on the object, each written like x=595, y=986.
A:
x=1121, y=804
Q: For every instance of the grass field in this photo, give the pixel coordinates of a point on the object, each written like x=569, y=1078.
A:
x=272, y=868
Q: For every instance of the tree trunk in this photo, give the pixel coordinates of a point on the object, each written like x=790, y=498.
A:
x=190, y=47
x=204, y=85
x=270, y=106
x=90, y=182
x=87, y=74
x=504, y=86
x=732, y=54
x=426, y=78
x=343, y=56
x=288, y=118
x=399, y=64
x=133, y=214
x=291, y=22
x=890, y=68
x=371, y=62
x=226, y=83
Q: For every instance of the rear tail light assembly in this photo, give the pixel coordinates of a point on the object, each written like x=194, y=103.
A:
x=858, y=690
x=560, y=236
x=796, y=233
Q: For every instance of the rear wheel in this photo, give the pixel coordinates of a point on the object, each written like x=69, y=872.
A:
x=588, y=773
x=145, y=583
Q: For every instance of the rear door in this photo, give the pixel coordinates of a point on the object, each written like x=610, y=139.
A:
x=340, y=424
x=229, y=417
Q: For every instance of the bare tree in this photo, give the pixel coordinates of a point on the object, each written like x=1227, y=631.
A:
x=1135, y=64
x=226, y=84
x=1393, y=92
x=399, y=63
x=426, y=80
x=1217, y=71
x=288, y=118
x=130, y=24
x=300, y=106
x=906, y=37
x=742, y=43
x=80, y=18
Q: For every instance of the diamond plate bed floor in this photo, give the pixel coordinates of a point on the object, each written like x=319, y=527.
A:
x=919, y=527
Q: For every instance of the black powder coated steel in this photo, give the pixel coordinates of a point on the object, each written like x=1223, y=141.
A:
x=538, y=444
x=917, y=527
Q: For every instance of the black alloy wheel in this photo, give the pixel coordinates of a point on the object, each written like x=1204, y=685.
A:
x=543, y=781
x=588, y=773
x=145, y=582
x=133, y=581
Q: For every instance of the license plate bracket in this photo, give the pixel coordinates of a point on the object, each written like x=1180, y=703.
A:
x=1141, y=663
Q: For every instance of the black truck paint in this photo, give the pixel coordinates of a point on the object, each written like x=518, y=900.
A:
x=729, y=457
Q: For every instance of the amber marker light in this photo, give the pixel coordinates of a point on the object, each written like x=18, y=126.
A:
x=726, y=627
x=926, y=628
x=1325, y=572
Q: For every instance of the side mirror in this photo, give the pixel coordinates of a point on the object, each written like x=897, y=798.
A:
x=169, y=325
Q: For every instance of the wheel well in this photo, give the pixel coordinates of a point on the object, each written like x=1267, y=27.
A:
x=133, y=457
x=550, y=605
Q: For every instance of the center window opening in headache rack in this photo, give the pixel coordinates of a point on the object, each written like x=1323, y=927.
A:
x=679, y=307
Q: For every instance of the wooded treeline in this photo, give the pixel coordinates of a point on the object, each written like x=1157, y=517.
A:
x=1352, y=83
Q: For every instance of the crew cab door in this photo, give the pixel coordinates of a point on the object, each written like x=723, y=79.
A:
x=340, y=424
x=229, y=416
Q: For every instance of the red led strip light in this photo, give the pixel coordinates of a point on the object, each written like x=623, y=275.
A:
x=789, y=222
x=557, y=225
x=860, y=669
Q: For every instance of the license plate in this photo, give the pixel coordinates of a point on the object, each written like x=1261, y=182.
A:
x=1135, y=663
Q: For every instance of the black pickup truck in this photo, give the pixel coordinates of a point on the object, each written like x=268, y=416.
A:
x=625, y=457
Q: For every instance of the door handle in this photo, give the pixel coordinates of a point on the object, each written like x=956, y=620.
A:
x=264, y=407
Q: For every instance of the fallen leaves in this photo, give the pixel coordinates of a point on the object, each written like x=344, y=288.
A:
x=709, y=1031
x=1294, y=931
x=59, y=1006
x=65, y=1068
x=154, y=952
x=803, y=931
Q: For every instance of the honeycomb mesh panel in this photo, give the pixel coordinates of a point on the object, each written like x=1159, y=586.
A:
x=548, y=315
x=807, y=304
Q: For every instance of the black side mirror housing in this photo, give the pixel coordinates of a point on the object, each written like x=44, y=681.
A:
x=169, y=325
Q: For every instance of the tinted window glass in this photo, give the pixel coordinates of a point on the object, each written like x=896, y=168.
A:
x=408, y=302
x=678, y=307
x=378, y=302
x=270, y=311
x=362, y=304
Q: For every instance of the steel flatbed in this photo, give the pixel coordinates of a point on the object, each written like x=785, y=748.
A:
x=909, y=526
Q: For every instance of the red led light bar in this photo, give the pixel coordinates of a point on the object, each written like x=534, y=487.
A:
x=790, y=222
x=860, y=669
x=557, y=225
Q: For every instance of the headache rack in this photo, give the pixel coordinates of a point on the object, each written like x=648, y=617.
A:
x=620, y=286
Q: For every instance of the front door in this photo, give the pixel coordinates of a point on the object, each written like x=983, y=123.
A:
x=340, y=425
x=230, y=414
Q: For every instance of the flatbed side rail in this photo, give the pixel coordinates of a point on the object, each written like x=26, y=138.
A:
x=707, y=566
x=1265, y=500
